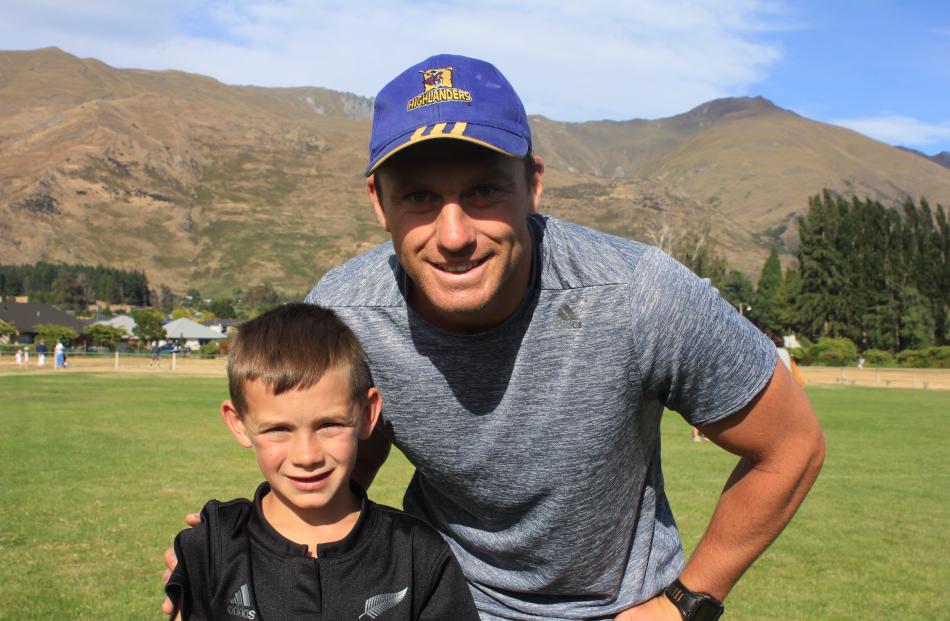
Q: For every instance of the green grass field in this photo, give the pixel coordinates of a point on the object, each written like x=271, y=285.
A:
x=99, y=470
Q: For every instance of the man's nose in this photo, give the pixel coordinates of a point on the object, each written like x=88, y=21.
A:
x=455, y=229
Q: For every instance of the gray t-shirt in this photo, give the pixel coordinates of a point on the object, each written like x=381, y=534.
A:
x=537, y=443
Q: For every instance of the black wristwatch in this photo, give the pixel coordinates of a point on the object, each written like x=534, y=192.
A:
x=693, y=606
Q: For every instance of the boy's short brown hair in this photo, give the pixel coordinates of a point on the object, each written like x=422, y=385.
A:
x=291, y=347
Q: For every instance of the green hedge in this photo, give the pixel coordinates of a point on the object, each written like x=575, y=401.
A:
x=209, y=350
x=926, y=358
x=879, y=358
x=831, y=352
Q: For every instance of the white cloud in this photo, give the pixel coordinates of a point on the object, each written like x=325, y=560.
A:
x=900, y=130
x=579, y=61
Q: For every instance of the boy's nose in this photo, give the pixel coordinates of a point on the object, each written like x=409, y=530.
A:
x=306, y=451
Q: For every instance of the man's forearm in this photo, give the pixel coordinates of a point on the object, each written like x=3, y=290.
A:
x=758, y=501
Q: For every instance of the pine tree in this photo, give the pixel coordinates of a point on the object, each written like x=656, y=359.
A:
x=942, y=243
x=823, y=306
x=788, y=301
x=766, y=302
x=737, y=289
x=916, y=320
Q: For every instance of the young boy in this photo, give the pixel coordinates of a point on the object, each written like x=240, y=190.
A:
x=310, y=545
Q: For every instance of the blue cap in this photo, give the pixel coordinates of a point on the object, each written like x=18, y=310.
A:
x=448, y=96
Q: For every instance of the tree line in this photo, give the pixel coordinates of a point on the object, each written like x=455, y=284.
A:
x=875, y=275
x=74, y=286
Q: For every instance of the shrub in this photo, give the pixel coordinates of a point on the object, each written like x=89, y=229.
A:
x=832, y=352
x=208, y=350
x=51, y=333
x=926, y=358
x=879, y=358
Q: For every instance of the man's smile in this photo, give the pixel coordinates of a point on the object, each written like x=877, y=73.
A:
x=459, y=268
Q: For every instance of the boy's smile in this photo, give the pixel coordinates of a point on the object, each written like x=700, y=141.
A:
x=305, y=441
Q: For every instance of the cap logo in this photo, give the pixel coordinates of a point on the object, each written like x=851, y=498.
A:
x=438, y=89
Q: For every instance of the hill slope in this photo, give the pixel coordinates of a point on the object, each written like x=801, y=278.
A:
x=204, y=184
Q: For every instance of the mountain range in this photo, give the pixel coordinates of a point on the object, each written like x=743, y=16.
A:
x=208, y=185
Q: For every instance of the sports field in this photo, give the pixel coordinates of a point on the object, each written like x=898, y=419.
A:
x=98, y=471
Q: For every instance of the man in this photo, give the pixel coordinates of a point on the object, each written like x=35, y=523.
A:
x=525, y=363
x=41, y=351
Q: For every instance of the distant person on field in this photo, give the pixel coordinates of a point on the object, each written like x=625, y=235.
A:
x=60, y=353
x=786, y=358
x=310, y=544
x=26, y=357
x=156, y=354
x=41, y=350
x=19, y=358
x=696, y=435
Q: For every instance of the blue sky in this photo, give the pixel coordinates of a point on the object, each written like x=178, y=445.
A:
x=882, y=68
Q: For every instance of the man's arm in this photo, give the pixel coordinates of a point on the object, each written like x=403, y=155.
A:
x=370, y=457
x=782, y=448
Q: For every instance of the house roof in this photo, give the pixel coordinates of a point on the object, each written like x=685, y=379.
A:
x=185, y=328
x=27, y=316
x=123, y=322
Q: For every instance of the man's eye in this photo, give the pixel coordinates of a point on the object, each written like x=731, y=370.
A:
x=485, y=190
x=418, y=197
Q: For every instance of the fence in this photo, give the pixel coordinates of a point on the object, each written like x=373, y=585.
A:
x=194, y=364
x=123, y=362
x=923, y=379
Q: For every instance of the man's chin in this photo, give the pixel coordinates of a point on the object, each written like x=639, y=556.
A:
x=455, y=312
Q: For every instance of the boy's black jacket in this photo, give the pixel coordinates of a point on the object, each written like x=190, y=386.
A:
x=391, y=567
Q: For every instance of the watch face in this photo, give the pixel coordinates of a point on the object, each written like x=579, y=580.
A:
x=706, y=610
x=694, y=606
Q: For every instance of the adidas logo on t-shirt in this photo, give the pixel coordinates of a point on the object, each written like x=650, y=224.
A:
x=240, y=605
x=567, y=317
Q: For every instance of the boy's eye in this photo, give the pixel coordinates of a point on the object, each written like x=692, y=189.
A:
x=332, y=426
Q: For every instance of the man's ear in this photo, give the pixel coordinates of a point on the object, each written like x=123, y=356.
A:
x=376, y=197
x=537, y=184
x=234, y=422
x=371, y=409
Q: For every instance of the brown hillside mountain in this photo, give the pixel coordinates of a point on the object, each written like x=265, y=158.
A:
x=942, y=158
x=204, y=184
x=745, y=160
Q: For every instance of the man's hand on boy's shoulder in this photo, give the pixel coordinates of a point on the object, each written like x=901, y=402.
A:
x=171, y=561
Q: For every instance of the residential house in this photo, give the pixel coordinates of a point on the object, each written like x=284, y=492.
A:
x=190, y=333
x=27, y=316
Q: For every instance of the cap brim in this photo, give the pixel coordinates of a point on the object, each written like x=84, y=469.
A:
x=499, y=140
